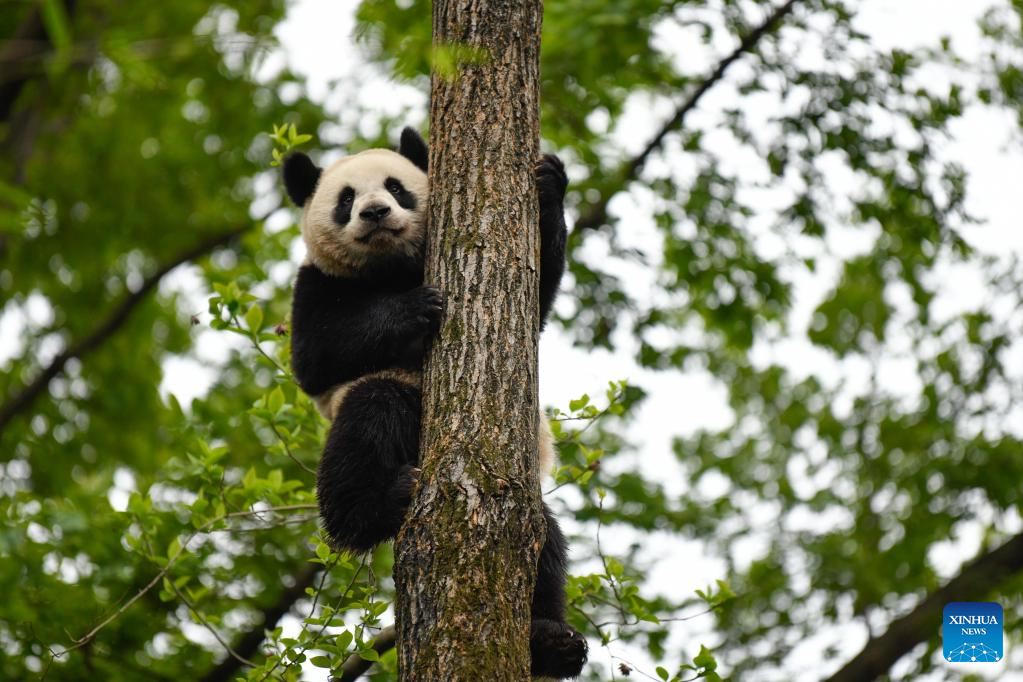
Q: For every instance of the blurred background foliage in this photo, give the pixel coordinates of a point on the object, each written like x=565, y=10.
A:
x=794, y=229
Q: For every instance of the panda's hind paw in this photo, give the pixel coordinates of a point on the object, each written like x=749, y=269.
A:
x=556, y=649
x=404, y=486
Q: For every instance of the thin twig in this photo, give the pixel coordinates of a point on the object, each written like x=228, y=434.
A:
x=255, y=342
x=287, y=449
x=213, y=631
x=269, y=526
x=682, y=619
x=355, y=665
x=603, y=559
x=634, y=669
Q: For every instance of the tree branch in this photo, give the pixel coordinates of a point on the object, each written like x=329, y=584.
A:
x=596, y=215
x=248, y=645
x=355, y=665
x=23, y=399
x=974, y=581
x=233, y=653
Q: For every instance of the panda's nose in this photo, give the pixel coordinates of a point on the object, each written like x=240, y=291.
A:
x=375, y=213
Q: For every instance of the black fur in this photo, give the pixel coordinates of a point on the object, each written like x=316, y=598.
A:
x=343, y=329
x=346, y=328
x=366, y=475
x=555, y=648
x=551, y=183
x=413, y=148
x=405, y=198
x=343, y=207
x=300, y=177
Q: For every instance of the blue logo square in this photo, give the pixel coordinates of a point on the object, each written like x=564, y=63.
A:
x=971, y=632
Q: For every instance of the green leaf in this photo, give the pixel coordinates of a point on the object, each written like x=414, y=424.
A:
x=579, y=403
x=705, y=659
x=275, y=401
x=322, y=552
x=320, y=661
x=724, y=591
x=254, y=318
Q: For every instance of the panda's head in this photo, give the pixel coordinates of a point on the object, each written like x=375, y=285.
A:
x=365, y=213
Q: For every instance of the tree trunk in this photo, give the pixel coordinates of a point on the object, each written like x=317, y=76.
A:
x=465, y=562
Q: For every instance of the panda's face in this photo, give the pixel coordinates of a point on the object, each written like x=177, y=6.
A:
x=366, y=208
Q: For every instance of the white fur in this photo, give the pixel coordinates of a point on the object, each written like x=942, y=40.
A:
x=336, y=249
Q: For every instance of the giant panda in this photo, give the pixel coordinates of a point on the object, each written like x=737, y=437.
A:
x=361, y=317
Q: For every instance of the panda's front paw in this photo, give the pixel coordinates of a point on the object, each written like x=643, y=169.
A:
x=551, y=180
x=426, y=304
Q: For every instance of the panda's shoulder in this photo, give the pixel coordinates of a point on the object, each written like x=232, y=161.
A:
x=316, y=289
x=313, y=279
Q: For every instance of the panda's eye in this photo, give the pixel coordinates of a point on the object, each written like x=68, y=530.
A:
x=347, y=196
x=394, y=187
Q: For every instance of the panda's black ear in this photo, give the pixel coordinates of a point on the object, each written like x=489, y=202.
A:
x=413, y=148
x=300, y=177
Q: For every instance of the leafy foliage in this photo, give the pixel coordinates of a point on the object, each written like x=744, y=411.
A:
x=797, y=236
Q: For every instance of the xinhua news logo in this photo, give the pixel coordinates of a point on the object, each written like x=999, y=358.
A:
x=971, y=632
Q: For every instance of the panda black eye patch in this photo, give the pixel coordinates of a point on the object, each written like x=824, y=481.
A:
x=404, y=198
x=343, y=210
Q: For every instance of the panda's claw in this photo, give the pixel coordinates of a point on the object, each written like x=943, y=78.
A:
x=426, y=306
x=404, y=487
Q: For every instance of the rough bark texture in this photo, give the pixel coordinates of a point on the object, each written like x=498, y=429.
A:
x=466, y=558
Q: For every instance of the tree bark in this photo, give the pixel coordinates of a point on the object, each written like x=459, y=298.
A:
x=465, y=562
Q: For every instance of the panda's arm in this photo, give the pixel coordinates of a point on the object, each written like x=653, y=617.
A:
x=339, y=334
x=551, y=183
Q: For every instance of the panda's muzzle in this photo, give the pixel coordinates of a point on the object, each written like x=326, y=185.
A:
x=375, y=213
x=373, y=221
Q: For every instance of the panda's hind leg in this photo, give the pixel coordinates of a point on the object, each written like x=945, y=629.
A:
x=368, y=470
x=555, y=648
